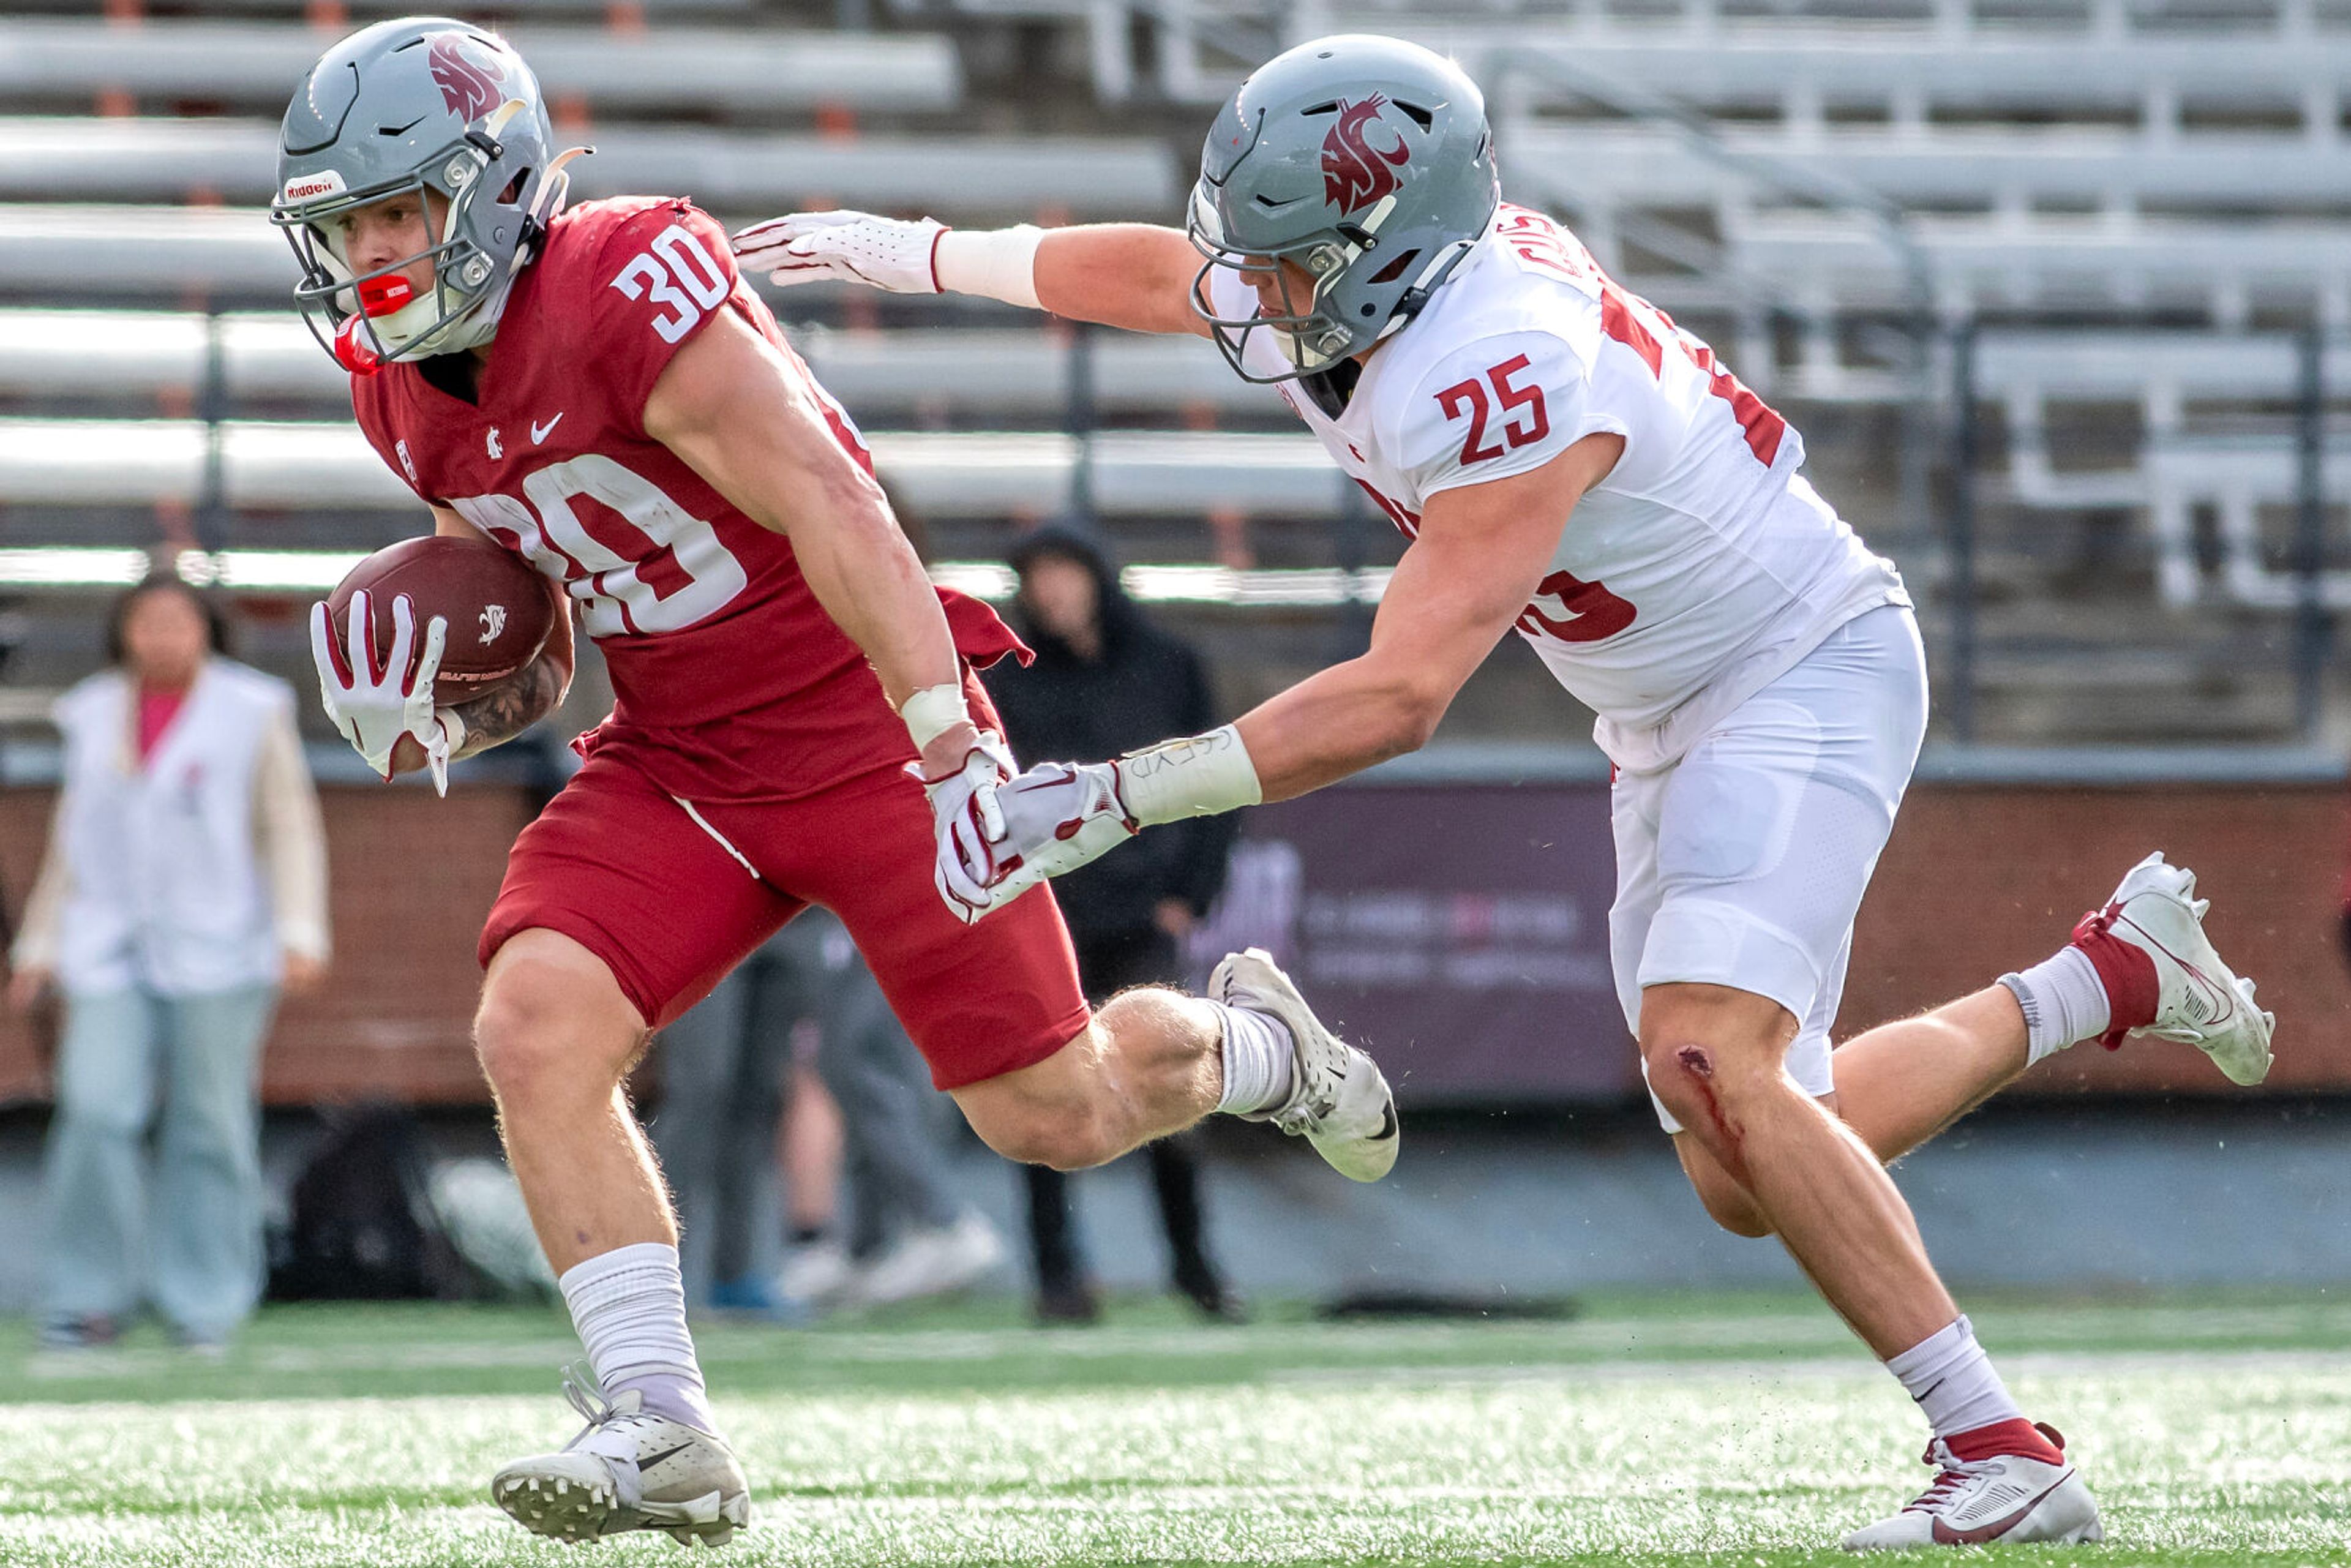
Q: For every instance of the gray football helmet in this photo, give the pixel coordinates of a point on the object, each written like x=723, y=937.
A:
x=1364, y=161
x=430, y=106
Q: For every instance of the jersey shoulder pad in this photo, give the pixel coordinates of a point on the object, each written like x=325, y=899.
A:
x=1499, y=404
x=641, y=278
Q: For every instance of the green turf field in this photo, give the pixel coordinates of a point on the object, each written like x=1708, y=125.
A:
x=1655, y=1431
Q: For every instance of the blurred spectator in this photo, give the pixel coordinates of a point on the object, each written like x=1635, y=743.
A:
x=185, y=882
x=725, y=1066
x=1106, y=680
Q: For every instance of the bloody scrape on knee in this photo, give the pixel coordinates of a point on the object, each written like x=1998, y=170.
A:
x=1697, y=1067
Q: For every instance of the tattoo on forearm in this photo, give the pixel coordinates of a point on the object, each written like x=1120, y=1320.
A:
x=503, y=713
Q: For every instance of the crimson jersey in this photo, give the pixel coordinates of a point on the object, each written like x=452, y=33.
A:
x=730, y=680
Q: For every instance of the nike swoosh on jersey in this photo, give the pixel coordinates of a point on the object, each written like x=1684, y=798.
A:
x=539, y=432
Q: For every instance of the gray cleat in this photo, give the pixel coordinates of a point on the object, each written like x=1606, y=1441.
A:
x=627, y=1469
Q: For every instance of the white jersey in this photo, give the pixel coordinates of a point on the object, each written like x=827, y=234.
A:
x=1700, y=569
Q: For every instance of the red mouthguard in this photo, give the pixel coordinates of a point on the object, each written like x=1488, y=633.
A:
x=382, y=295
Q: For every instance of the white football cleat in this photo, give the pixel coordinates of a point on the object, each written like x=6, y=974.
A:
x=628, y=1469
x=2007, y=1497
x=1338, y=1100
x=2195, y=1000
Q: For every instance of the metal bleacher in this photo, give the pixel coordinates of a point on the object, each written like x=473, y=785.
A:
x=250, y=66
x=2101, y=236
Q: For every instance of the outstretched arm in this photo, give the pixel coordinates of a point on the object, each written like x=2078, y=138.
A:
x=1135, y=276
x=1477, y=561
x=1481, y=552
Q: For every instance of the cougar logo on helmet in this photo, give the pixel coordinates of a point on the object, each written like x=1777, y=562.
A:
x=468, y=81
x=1355, y=172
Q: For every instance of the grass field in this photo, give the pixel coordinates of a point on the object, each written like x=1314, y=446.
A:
x=1652, y=1430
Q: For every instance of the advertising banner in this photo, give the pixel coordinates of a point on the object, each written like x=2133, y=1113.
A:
x=1460, y=933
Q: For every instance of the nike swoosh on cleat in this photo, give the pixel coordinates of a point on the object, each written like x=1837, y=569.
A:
x=1387, y=1123
x=644, y=1465
x=2195, y=976
x=1946, y=1536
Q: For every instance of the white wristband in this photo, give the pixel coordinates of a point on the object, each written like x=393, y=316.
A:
x=1195, y=776
x=999, y=264
x=932, y=712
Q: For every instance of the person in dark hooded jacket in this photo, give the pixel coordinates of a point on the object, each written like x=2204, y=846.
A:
x=1106, y=680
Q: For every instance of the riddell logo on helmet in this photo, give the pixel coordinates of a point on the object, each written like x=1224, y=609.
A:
x=1355, y=172
x=310, y=187
x=469, y=78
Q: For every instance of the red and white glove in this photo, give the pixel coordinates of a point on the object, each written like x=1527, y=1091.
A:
x=855, y=247
x=964, y=812
x=374, y=706
x=1055, y=818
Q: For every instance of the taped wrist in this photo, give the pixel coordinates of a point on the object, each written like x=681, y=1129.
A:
x=1194, y=776
x=932, y=712
x=998, y=264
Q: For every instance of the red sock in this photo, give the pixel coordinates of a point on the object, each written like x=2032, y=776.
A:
x=2133, y=991
x=2017, y=1437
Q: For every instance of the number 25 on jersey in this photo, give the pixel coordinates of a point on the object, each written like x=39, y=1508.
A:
x=1586, y=611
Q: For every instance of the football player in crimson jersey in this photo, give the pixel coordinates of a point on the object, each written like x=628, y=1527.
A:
x=596, y=389
x=1569, y=463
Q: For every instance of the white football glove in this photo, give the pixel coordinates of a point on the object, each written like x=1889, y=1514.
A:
x=858, y=247
x=374, y=707
x=1056, y=817
x=964, y=811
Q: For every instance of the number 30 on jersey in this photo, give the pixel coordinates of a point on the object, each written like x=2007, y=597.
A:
x=679, y=275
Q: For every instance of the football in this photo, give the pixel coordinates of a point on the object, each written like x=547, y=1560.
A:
x=496, y=607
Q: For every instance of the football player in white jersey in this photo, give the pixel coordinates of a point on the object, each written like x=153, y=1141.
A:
x=1569, y=463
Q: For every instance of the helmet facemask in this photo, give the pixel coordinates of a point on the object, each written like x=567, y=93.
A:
x=1309, y=334
x=366, y=320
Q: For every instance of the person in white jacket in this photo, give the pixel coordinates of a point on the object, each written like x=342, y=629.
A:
x=183, y=887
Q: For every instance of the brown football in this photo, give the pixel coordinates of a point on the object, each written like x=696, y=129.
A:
x=496, y=606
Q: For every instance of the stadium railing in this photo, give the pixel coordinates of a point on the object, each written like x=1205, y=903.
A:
x=250, y=66
x=987, y=376
x=276, y=466
x=1971, y=55
x=82, y=160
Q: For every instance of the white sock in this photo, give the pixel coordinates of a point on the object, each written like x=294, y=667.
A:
x=1952, y=1379
x=2063, y=1000
x=629, y=1305
x=1259, y=1064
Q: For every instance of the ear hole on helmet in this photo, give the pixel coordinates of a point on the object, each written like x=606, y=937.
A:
x=1420, y=116
x=1395, y=269
x=513, y=193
